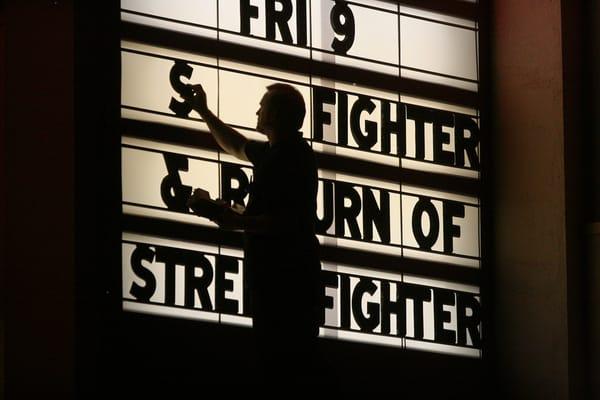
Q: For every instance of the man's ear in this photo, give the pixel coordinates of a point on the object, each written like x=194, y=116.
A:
x=273, y=119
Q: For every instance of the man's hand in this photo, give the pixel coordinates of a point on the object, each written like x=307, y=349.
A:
x=198, y=99
x=228, y=138
x=229, y=220
x=197, y=195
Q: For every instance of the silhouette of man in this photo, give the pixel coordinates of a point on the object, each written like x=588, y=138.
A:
x=280, y=246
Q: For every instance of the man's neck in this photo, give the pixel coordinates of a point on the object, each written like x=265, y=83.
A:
x=280, y=137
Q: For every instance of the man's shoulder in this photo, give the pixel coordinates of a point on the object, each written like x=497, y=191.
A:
x=300, y=148
x=256, y=150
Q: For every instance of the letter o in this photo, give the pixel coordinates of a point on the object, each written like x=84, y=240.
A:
x=424, y=205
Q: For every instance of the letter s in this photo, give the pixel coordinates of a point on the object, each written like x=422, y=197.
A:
x=142, y=293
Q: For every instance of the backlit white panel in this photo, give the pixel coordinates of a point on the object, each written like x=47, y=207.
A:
x=419, y=280
x=439, y=48
x=260, y=44
x=230, y=24
x=280, y=75
x=157, y=274
x=143, y=170
x=355, y=153
x=180, y=27
x=242, y=110
x=381, y=5
x=431, y=167
x=438, y=315
x=438, y=105
x=375, y=32
x=441, y=348
x=470, y=85
x=451, y=311
x=166, y=53
x=425, y=220
x=150, y=189
x=171, y=120
x=203, y=12
x=173, y=148
x=360, y=337
x=164, y=214
x=129, y=278
x=323, y=36
x=172, y=312
x=403, y=227
x=146, y=84
x=355, y=119
x=434, y=16
x=236, y=320
x=167, y=242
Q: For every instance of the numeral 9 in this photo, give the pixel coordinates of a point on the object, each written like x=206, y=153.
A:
x=342, y=21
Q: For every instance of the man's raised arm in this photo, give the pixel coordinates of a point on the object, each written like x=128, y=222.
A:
x=228, y=138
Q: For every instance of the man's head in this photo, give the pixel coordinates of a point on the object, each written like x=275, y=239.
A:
x=281, y=110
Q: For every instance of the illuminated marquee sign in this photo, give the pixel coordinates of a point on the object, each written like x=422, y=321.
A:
x=399, y=160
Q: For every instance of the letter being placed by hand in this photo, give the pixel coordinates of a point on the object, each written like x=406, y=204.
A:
x=219, y=211
x=202, y=205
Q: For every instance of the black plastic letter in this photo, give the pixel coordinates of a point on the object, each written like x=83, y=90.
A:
x=442, y=297
x=328, y=280
x=389, y=307
x=419, y=295
x=367, y=139
x=279, y=18
x=322, y=225
x=441, y=137
x=370, y=321
x=425, y=206
x=451, y=209
x=349, y=214
x=173, y=192
x=321, y=96
x=230, y=173
x=180, y=108
x=420, y=115
x=345, y=301
x=225, y=264
x=301, y=22
x=374, y=215
x=469, y=323
x=142, y=293
x=169, y=257
x=195, y=284
x=389, y=127
x=344, y=28
x=342, y=119
x=469, y=144
x=247, y=11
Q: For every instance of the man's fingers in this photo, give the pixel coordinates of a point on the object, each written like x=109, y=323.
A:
x=198, y=89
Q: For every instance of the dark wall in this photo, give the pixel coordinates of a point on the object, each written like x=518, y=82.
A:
x=38, y=191
x=592, y=135
x=538, y=280
x=542, y=191
x=97, y=194
x=592, y=52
